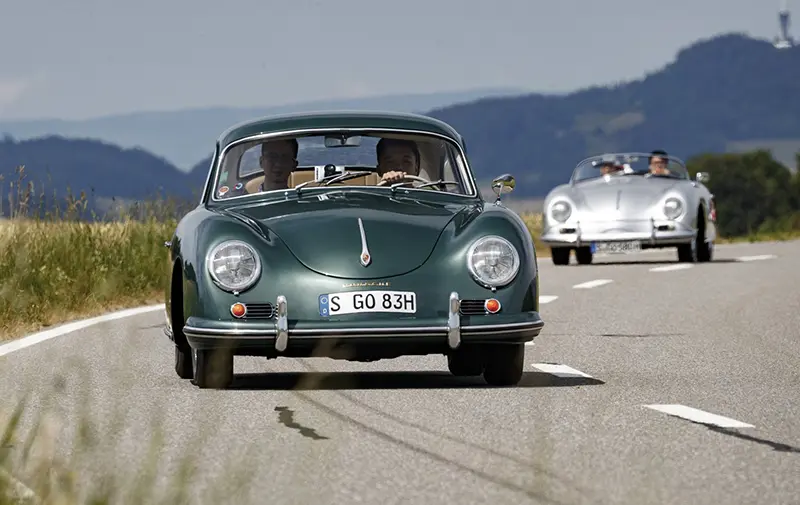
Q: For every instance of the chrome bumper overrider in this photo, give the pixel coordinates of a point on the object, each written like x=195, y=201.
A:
x=281, y=333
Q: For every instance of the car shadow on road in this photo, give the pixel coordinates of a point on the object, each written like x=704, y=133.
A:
x=391, y=380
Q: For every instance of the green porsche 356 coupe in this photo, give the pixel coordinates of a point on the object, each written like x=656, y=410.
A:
x=350, y=235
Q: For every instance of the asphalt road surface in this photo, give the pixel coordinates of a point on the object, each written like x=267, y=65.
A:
x=652, y=382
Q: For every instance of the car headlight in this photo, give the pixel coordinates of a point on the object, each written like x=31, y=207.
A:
x=493, y=261
x=673, y=208
x=234, y=265
x=560, y=211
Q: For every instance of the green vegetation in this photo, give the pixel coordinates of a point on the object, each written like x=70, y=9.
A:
x=756, y=197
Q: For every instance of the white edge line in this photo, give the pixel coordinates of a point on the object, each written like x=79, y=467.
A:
x=560, y=370
x=21, y=343
x=592, y=284
x=547, y=298
x=670, y=268
x=699, y=416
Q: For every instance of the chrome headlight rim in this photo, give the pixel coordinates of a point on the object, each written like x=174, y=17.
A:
x=552, y=210
x=221, y=285
x=681, y=208
x=484, y=282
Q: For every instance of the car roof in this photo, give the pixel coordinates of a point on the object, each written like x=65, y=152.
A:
x=337, y=119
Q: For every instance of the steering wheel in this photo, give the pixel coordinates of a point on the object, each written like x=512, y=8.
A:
x=409, y=177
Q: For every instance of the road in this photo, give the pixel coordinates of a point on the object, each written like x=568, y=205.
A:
x=583, y=427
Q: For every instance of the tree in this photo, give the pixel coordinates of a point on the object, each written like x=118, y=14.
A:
x=753, y=192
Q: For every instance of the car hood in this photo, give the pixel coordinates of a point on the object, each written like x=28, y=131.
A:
x=325, y=236
x=626, y=194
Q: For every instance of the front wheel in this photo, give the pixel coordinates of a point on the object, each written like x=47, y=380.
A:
x=212, y=368
x=560, y=255
x=183, y=362
x=584, y=255
x=504, y=364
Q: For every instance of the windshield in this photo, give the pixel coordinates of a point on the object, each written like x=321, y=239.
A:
x=369, y=159
x=630, y=164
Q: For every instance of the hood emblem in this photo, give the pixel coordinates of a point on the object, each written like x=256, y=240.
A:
x=365, y=259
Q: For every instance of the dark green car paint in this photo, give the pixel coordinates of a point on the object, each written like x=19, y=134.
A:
x=308, y=247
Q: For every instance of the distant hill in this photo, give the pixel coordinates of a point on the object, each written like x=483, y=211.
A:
x=182, y=137
x=724, y=94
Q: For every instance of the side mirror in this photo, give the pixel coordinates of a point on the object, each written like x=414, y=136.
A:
x=702, y=177
x=502, y=185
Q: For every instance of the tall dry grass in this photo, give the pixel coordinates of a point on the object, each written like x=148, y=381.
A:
x=59, y=262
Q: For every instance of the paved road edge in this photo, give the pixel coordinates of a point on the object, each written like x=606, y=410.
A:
x=69, y=327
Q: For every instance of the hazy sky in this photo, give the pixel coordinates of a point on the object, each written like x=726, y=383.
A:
x=84, y=58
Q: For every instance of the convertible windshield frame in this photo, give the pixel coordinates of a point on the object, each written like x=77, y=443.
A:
x=625, y=157
x=463, y=166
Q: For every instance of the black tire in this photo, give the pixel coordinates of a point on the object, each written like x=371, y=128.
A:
x=504, y=364
x=465, y=363
x=584, y=255
x=560, y=255
x=212, y=368
x=687, y=253
x=183, y=362
x=705, y=250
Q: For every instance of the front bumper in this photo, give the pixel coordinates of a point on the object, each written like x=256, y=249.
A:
x=649, y=232
x=277, y=336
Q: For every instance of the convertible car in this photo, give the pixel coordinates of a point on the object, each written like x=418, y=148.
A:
x=349, y=235
x=626, y=202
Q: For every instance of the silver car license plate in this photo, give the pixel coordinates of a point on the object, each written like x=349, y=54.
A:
x=626, y=247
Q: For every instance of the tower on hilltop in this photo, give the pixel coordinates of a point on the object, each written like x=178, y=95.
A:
x=784, y=40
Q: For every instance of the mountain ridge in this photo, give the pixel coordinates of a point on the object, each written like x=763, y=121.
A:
x=721, y=94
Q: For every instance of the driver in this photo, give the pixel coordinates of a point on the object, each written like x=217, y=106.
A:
x=610, y=167
x=396, y=159
x=658, y=161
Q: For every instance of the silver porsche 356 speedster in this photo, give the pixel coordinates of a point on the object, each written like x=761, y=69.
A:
x=625, y=202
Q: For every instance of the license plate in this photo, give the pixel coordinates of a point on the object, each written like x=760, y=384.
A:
x=617, y=247
x=357, y=302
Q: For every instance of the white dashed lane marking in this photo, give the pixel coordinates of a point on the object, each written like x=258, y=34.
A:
x=699, y=416
x=560, y=370
x=760, y=257
x=547, y=298
x=592, y=284
x=670, y=268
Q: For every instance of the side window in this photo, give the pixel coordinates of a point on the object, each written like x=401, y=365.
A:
x=249, y=163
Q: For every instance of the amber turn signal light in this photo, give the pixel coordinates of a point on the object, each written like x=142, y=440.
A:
x=492, y=306
x=238, y=310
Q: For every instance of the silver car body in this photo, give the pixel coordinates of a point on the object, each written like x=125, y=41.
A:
x=629, y=210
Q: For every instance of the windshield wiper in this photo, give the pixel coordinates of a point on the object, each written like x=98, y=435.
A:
x=348, y=175
x=333, y=177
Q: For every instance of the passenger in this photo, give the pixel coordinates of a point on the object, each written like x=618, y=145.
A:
x=396, y=159
x=278, y=160
x=659, y=160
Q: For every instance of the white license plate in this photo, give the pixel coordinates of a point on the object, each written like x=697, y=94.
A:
x=617, y=247
x=357, y=302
